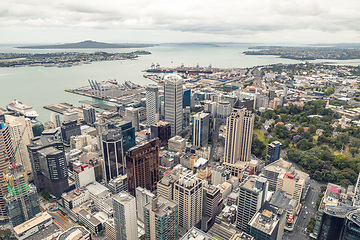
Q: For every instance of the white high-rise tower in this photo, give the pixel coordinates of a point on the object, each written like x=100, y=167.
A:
x=173, y=102
x=152, y=104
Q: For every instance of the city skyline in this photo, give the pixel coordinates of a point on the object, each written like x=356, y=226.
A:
x=160, y=21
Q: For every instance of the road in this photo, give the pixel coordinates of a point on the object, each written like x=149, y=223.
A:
x=60, y=221
x=215, y=139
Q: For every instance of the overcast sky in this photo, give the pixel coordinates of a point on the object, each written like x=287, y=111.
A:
x=158, y=21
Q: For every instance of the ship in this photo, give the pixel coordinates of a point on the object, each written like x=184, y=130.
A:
x=22, y=109
x=157, y=69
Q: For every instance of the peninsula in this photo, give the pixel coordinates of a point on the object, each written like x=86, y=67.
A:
x=89, y=44
x=307, y=53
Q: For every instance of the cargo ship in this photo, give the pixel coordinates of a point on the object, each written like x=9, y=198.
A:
x=22, y=109
x=157, y=69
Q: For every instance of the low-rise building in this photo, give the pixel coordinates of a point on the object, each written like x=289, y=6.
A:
x=78, y=233
x=32, y=226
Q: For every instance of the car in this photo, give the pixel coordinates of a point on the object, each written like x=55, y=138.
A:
x=304, y=217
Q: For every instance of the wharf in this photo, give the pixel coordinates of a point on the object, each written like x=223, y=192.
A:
x=63, y=107
x=102, y=106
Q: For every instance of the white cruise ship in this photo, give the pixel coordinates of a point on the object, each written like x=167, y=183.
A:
x=22, y=109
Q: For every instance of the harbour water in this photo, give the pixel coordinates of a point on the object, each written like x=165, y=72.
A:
x=40, y=86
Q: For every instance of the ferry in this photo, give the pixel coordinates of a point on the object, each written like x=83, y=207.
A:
x=22, y=109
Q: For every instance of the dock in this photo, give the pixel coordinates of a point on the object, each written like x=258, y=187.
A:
x=63, y=107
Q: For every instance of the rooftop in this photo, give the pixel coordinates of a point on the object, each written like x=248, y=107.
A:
x=279, y=166
x=264, y=221
x=164, y=206
x=74, y=233
x=196, y=234
x=123, y=198
x=283, y=200
x=39, y=218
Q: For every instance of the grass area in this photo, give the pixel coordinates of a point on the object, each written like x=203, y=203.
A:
x=216, y=237
x=261, y=136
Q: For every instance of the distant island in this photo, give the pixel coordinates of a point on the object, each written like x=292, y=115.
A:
x=307, y=53
x=89, y=44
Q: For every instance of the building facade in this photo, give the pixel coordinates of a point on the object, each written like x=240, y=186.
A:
x=273, y=152
x=173, y=91
x=152, y=104
x=113, y=155
x=142, y=166
x=68, y=129
x=125, y=217
x=200, y=129
x=89, y=115
x=161, y=130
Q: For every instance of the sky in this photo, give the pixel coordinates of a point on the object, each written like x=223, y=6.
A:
x=164, y=21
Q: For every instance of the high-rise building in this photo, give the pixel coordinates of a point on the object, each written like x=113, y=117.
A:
x=223, y=109
x=21, y=133
x=132, y=114
x=152, y=104
x=89, y=115
x=68, y=129
x=273, y=152
x=173, y=91
x=113, y=155
x=55, y=118
x=21, y=203
x=188, y=194
x=49, y=165
x=200, y=129
x=186, y=98
x=161, y=130
x=143, y=197
x=252, y=195
x=212, y=205
x=351, y=229
x=83, y=174
x=142, y=166
x=161, y=219
x=292, y=184
x=272, y=171
x=239, y=131
x=125, y=222
x=6, y=153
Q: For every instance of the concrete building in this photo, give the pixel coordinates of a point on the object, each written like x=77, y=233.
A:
x=196, y=234
x=268, y=223
x=74, y=198
x=68, y=129
x=273, y=152
x=161, y=219
x=113, y=154
x=132, y=115
x=152, y=104
x=32, y=226
x=80, y=141
x=188, y=194
x=272, y=171
x=55, y=118
x=49, y=165
x=176, y=144
x=125, y=217
x=252, y=195
x=223, y=109
x=119, y=184
x=239, y=131
x=142, y=166
x=220, y=175
x=21, y=133
x=285, y=201
x=78, y=233
x=89, y=115
x=173, y=92
x=292, y=184
x=161, y=130
x=200, y=129
x=143, y=197
x=70, y=115
x=83, y=174
x=6, y=153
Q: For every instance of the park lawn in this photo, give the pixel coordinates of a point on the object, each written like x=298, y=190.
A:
x=261, y=136
x=216, y=237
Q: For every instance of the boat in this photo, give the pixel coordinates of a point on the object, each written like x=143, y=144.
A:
x=22, y=109
x=156, y=69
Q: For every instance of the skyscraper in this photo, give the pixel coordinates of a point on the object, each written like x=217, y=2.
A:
x=188, y=194
x=143, y=197
x=161, y=219
x=252, y=196
x=89, y=115
x=173, y=91
x=21, y=133
x=239, y=131
x=21, y=203
x=112, y=150
x=6, y=152
x=200, y=129
x=142, y=166
x=125, y=222
x=132, y=114
x=55, y=118
x=152, y=104
x=68, y=129
x=273, y=152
